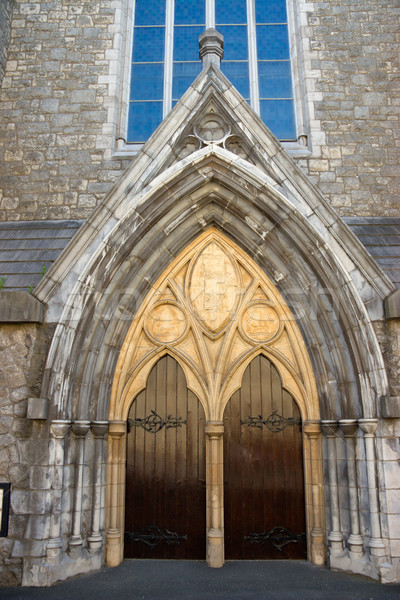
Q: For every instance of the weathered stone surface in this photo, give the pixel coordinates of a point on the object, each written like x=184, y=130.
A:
x=392, y=306
x=20, y=307
x=5, y=33
x=38, y=408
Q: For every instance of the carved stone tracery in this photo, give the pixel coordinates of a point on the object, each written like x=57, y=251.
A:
x=213, y=312
x=212, y=127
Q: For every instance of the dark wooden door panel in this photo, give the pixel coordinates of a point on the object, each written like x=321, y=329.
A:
x=263, y=469
x=165, y=473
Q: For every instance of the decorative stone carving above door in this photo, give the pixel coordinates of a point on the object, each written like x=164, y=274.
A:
x=213, y=312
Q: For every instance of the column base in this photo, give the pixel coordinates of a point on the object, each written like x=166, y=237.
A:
x=318, y=551
x=215, y=548
x=75, y=546
x=113, y=550
x=360, y=566
x=95, y=542
x=335, y=539
x=54, y=550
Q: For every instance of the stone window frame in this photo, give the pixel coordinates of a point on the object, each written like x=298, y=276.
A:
x=310, y=136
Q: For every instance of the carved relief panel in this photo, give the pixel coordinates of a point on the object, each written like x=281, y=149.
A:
x=213, y=312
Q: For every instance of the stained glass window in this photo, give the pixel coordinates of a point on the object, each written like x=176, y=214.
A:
x=165, y=58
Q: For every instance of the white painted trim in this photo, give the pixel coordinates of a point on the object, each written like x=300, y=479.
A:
x=253, y=67
x=210, y=14
x=168, y=56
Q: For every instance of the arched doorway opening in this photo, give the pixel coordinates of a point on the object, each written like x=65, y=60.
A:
x=214, y=312
x=165, y=492
x=264, y=500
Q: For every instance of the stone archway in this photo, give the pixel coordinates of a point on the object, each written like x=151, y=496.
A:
x=213, y=311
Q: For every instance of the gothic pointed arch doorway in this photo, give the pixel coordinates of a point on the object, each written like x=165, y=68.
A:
x=214, y=311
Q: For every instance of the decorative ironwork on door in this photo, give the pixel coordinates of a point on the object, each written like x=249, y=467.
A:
x=154, y=423
x=153, y=535
x=279, y=537
x=274, y=422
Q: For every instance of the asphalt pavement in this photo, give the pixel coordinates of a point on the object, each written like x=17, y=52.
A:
x=193, y=580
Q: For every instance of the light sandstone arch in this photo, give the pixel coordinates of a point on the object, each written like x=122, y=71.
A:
x=213, y=310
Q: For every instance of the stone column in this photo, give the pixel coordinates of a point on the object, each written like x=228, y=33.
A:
x=116, y=433
x=80, y=430
x=58, y=432
x=99, y=430
x=376, y=544
x=215, y=538
x=313, y=430
x=335, y=537
x=355, y=541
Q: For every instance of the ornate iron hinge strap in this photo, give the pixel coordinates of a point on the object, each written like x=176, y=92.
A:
x=154, y=423
x=274, y=422
x=152, y=535
x=278, y=536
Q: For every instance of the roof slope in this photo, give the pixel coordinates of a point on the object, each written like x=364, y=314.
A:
x=29, y=248
x=381, y=237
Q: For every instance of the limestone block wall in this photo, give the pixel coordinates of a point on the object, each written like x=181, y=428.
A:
x=5, y=33
x=66, y=82
x=54, y=107
x=23, y=350
x=351, y=50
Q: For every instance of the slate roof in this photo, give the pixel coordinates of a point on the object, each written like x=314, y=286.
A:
x=381, y=237
x=28, y=248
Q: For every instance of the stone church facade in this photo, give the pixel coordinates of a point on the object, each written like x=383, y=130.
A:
x=209, y=254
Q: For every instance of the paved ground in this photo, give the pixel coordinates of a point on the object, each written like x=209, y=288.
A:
x=192, y=580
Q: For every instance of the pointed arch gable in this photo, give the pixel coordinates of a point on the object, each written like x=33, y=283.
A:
x=215, y=191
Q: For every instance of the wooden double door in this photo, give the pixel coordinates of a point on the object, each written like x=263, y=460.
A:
x=165, y=504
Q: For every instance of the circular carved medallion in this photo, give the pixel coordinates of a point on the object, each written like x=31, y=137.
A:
x=260, y=322
x=166, y=323
x=212, y=128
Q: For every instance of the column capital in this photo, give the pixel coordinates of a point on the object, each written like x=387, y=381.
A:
x=99, y=428
x=312, y=428
x=116, y=429
x=59, y=428
x=349, y=427
x=329, y=427
x=80, y=428
x=214, y=428
x=368, y=426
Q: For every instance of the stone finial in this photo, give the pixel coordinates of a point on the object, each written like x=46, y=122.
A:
x=211, y=47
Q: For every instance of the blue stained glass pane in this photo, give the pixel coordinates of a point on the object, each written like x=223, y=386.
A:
x=144, y=118
x=275, y=80
x=235, y=42
x=150, y=12
x=147, y=81
x=271, y=11
x=190, y=13
x=148, y=44
x=272, y=42
x=279, y=117
x=186, y=43
x=230, y=12
x=238, y=74
x=183, y=76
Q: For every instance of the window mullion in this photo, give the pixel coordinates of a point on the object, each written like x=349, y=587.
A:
x=168, y=59
x=210, y=14
x=253, y=67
